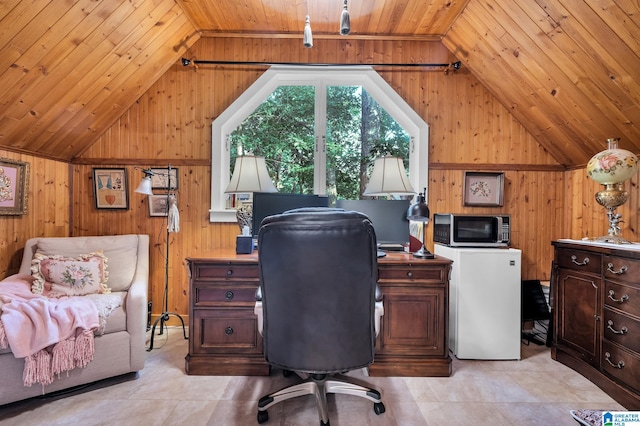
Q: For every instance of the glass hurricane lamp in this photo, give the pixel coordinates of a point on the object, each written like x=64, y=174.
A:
x=611, y=168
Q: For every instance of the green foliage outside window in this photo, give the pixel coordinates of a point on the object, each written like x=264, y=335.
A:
x=282, y=130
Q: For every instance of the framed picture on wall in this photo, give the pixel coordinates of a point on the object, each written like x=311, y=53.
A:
x=14, y=187
x=158, y=205
x=160, y=178
x=110, y=188
x=483, y=189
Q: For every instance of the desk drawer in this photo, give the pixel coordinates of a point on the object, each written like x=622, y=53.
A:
x=222, y=271
x=226, y=331
x=402, y=273
x=579, y=260
x=217, y=295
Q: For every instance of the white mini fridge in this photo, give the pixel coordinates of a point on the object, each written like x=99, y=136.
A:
x=484, y=302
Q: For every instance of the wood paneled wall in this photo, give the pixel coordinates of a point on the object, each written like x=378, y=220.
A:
x=469, y=130
x=47, y=211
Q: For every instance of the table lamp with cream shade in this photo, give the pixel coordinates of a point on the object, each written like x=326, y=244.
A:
x=250, y=175
x=611, y=168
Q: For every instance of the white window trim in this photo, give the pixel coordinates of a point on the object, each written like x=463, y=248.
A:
x=277, y=76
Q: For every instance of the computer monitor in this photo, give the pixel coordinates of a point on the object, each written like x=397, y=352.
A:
x=270, y=203
x=389, y=219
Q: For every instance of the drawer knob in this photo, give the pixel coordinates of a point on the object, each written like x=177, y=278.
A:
x=229, y=272
x=228, y=331
x=623, y=330
x=607, y=357
x=623, y=299
x=410, y=274
x=620, y=271
x=229, y=295
x=584, y=262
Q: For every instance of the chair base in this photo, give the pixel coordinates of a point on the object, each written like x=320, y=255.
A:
x=320, y=385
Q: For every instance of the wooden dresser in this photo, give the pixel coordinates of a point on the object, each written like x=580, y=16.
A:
x=224, y=338
x=597, y=315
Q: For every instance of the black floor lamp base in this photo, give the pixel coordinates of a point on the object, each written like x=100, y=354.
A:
x=162, y=319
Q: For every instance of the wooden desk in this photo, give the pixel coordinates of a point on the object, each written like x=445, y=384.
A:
x=224, y=337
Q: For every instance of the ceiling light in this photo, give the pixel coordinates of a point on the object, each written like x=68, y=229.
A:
x=345, y=22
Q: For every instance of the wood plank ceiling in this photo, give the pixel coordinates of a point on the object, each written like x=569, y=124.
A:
x=569, y=70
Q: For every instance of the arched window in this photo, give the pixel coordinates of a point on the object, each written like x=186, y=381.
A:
x=322, y=85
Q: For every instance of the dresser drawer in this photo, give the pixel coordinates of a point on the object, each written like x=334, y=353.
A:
x=224, y=271
x=219, y=295
x=622, y=269
x=621, y=364
x=623, y=297
x=579, y=260
x=403, y=273
x=622, y=329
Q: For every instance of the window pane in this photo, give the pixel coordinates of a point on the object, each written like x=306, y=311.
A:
x=358, y=131
x=281, y=129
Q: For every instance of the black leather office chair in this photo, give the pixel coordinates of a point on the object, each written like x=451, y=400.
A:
x=318, y=274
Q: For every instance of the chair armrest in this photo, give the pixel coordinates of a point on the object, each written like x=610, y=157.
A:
x=136, y=305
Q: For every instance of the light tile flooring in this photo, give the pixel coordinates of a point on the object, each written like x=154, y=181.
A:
x=533, y=391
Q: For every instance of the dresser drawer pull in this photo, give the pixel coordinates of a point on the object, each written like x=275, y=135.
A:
x=228, y=331
x=623, y=330
x=584, y=262
x=620, y=271
x=410, y=274
x=229, y=272
x=229, y=295
x=623, y=299
x=620, y=363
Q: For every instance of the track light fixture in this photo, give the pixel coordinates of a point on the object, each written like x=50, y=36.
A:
x=345, y=22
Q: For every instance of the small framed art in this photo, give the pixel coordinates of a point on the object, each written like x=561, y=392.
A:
x=14, y=187
x=483, y=188
x=160, y=178
x=110, y=188
x=158, y=205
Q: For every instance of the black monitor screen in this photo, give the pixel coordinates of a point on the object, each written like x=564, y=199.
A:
x=270, y=203
x=389, y=218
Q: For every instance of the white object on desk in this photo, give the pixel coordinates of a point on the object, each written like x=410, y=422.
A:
x=484, y=302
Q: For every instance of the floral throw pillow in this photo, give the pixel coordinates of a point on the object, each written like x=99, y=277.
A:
x=57, y=276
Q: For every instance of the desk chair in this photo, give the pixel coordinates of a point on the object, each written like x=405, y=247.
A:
x=317, y=314
x=534, y=309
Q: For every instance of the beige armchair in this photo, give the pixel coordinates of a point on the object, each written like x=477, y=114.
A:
x=121, y=349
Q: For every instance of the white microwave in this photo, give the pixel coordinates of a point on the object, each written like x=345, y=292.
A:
x=470, y=230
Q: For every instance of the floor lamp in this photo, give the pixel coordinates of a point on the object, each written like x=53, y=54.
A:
x=173, y=225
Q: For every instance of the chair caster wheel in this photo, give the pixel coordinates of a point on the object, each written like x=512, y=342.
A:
x=324, y=424
x=378, y=408
x=263, y=416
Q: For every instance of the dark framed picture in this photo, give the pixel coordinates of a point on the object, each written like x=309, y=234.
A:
x=483, y=189
x=14, y=187
x=162, y=176
x=158, y=205
x=110, y=188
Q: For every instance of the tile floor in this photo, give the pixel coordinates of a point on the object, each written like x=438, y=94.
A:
x=533, y=391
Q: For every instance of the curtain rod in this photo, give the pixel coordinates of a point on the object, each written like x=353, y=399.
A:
x=186, y=62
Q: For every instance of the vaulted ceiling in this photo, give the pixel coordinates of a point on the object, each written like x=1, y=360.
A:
x=568, y=70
